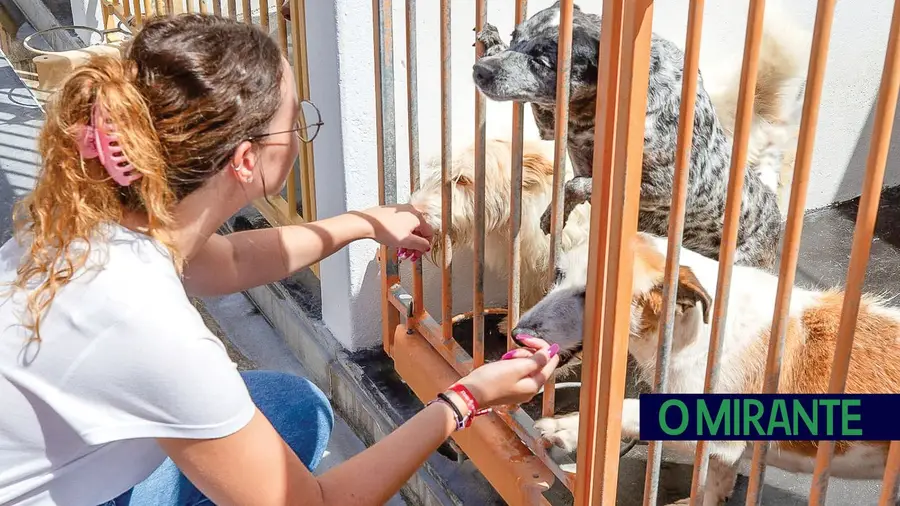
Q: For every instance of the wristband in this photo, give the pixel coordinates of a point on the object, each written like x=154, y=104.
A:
x=469, y=399
x=461, y=421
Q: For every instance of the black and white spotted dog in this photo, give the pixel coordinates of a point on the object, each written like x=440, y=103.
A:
x=525, y=71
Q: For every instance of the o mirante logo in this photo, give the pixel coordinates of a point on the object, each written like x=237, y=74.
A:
x=724, y=417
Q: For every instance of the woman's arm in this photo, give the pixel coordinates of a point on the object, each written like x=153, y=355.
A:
x=242, y=260
x=254, y=466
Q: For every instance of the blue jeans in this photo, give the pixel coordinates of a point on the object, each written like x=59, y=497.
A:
x=297, y=409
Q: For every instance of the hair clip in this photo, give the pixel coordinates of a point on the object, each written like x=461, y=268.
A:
x=100, y=140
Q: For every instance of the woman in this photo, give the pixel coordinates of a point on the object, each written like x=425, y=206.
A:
x=113, y=390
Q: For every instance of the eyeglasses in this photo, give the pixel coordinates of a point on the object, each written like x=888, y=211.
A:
x=306, y=132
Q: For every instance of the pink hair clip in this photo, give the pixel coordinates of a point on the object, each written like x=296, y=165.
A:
x=100, y=140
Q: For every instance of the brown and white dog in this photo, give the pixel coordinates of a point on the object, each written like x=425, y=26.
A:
x=806, y=364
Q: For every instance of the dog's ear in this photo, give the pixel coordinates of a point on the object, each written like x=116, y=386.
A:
x=690, y=292
x=535, y=171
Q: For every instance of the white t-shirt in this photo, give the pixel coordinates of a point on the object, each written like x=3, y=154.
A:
x=124, y=358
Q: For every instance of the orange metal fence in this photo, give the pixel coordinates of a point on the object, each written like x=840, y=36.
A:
x=425, y=352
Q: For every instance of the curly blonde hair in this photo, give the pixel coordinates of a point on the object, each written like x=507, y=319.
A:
x=188, y=90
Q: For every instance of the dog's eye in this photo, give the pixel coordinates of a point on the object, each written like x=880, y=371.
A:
x=545, y=62
x=463, y=181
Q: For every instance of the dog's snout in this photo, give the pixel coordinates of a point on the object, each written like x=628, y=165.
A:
x=519, y=333
x=482, y=73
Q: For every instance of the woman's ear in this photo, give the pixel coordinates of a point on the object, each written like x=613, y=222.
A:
x=243, y=162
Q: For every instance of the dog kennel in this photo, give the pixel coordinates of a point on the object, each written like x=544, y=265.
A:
x=504, y=445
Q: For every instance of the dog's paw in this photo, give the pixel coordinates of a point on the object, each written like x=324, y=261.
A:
x=546, y=220
x=559, y=431
x=490, y=37
x=503, y=326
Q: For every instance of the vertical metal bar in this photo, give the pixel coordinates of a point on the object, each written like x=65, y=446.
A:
x=203, y=7
x=885, y=110
x=794, y=229
x=478, y=242
x=626, y=181
x=446, y=183
x=148, y=8
x=387, y=148
x=614, y=224
x=412, y=93
x=514, y=290
x=264, y=15
x=891, y=476
x=177, y=6
x=561, y=130
x=676, y=229
x=605, y=145
x=126, y=8
x=247, y=13
x=307, y=158
x=217, y=7
x=189, y=5
x=743, y=123
x=283, y=42
x=138, y=15
x=232, y=9
x=160, y=7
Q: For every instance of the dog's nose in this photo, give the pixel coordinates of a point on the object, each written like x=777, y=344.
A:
x=482, y=74
x=519, y=333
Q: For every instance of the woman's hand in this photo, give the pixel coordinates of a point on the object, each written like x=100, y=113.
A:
x=517, y=377
x=399, y=226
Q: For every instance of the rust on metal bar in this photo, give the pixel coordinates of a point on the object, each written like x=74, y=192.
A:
x=264, y=15
x=561, y=131
x=885, y=110
x=412, y=95
x=616, y=275
x=514, y=290
x=605, y=137
x=743, y=123
x=478, y=240
x=676, y=229
x=282, y=39
x=511, y=468
x=794, y=228
x=446, y=183
x=217, y=7
x=523, y=426
x=450, y=350
x=232, y=9
x=383, y=32
x=891, y=476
